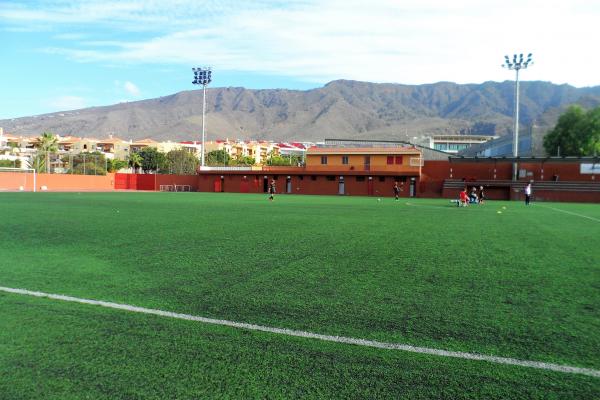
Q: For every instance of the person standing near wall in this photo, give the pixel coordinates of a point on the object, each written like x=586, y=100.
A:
x=527, y=194
x=397, y=191
x=272, y=190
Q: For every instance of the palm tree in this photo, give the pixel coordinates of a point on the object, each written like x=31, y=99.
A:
x=135, y=161
x=47, y=143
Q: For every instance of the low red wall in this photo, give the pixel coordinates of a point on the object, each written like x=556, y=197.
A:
x=57, y=182
x=501, y=170
x=546, y=172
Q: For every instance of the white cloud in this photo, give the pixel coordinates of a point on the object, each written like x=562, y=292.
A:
x=65, y=103
x=319, y=40
x=131, y=88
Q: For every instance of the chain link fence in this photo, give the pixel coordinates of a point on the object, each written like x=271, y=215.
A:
x=76, y=164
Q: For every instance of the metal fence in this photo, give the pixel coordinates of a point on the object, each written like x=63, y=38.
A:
x=65, y=163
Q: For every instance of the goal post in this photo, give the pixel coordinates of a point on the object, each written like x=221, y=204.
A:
x=18, y=179
x=183, y=188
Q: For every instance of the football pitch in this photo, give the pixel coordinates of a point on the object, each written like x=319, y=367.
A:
x=500, y=280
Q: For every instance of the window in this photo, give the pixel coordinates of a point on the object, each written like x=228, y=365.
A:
x=324, y=160
x=360, y=179
x=390, y=160
x=367, y=160
x=382, y=179
x=313, y=178
x=345, y=160
x=330, y=178
x=398, y=159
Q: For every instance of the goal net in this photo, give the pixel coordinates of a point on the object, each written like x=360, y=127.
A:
x=183, y=188
x=166, y=188
x=175, y=188
x=17, y=179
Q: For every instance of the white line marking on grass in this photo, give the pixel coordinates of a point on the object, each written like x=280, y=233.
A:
x=311, y=335
x=570, y=212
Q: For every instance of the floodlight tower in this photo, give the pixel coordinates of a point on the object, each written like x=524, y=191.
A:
x=202, y=76
x=518, y=63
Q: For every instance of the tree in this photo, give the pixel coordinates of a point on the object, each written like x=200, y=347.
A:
x=135, y=161
x=114, y=165
x=218, y=158
x=10, y=163
x=47, y=143
x=279, y=160
x=88, y=164
x=577, y=133
x=181, y=162
x=152, y=159
x=244, y=161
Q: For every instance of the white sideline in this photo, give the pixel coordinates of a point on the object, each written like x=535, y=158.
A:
x=570, y=212
x=338, y=339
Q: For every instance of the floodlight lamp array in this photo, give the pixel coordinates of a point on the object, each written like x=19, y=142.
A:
x=202, y=76
x=518, y=61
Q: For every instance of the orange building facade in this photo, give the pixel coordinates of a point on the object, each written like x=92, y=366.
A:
x=385, y=160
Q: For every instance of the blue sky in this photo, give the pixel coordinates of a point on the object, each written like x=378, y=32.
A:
x=62, y=55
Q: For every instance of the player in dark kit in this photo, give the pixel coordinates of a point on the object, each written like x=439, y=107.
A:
x=272, y=190
x=397, y=191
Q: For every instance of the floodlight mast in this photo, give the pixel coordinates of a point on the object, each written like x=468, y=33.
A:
x=518, y=63
x=202, y=76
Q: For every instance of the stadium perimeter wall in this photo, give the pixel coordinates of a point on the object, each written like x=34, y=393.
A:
x=495, y=175
x=12, y=181
x=431, y=183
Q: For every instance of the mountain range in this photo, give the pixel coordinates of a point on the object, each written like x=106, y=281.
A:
x=340, y=109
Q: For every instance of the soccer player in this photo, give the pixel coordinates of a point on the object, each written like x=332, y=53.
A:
x=272, y=190
x=527, y=194
x=397, y=191
x=464, y=198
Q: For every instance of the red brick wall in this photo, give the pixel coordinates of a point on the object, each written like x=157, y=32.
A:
x=429, y=185
x=565, y=171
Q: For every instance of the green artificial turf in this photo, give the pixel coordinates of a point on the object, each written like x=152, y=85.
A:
x=95, y=353
x=522, y=283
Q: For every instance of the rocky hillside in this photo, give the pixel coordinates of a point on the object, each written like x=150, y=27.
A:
x=340, y=109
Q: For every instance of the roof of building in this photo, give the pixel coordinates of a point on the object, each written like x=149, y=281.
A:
x=363, y=150
x=8, y=136
x=526, y=159
x=112, y=140
x=457, y=137
x=145, y=142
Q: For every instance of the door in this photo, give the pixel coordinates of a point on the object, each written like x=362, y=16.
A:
x=217, y=185
x=265, y=184
x=244, y=185
x=222, y=183
x=288, y=185
x=341, y=186
x=413, y=187
x=370, y=186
